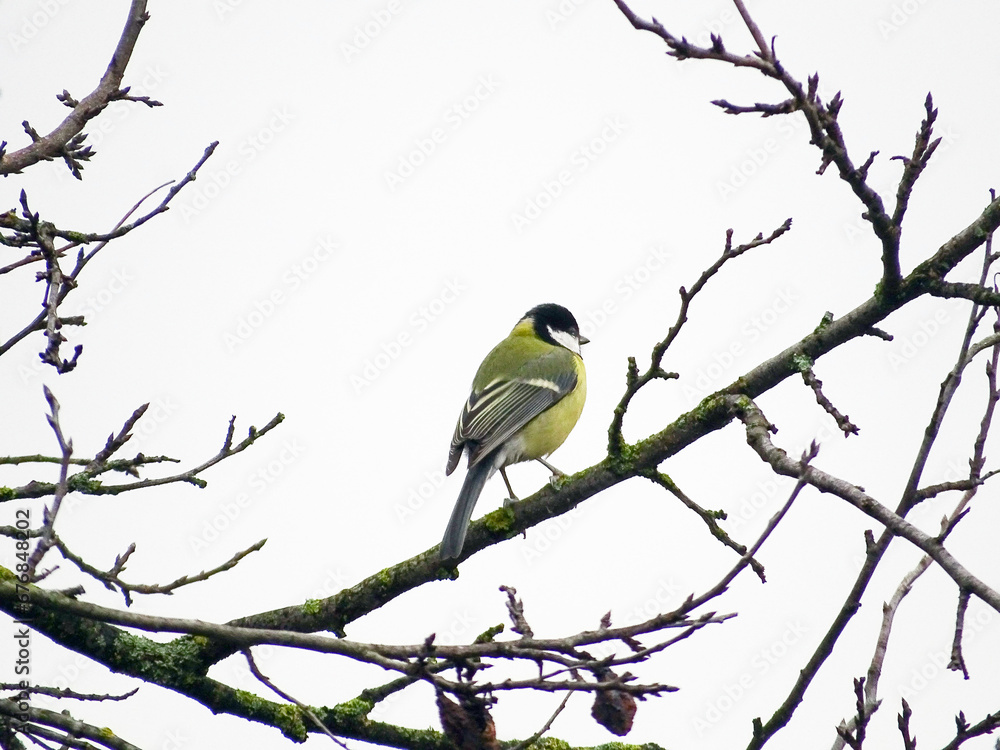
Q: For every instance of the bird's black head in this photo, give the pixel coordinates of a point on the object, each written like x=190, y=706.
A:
x=555, y=324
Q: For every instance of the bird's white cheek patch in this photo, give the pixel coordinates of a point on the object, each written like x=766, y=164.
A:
x=566, y=339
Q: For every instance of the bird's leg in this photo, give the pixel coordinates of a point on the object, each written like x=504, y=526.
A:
x=511, y=498
x=556, y=474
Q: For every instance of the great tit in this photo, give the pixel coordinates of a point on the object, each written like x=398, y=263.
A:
x=526, y=398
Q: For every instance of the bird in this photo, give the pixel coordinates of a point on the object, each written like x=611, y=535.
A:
x=526, y=398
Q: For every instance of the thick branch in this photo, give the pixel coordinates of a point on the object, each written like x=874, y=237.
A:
x=55, y=143
x=64, y=723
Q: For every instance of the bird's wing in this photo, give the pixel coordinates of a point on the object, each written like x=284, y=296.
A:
x=495, y=413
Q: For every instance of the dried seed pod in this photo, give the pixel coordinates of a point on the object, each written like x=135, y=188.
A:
x=467, y=724
x=614, y=711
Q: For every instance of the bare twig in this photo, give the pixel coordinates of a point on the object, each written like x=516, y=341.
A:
x=970, y=486
x=708, y=516
x=633, y=380
x=61, y=488
x=85, y=483
x=125, y=466
x=903, y=720
x=923, y=149
x=842, y=420
x=965, y=732
x=855, y=734
x=117, y=441
x=66, y=692
x=515, y=607
x=63, y=141
x=824, y=130
x=558, y=651
x=959, y=485
x=301, y=706
x=69, y=281
x=766, y=110
x=957, y=661
x=111, y=578
x=759, y=440
x=523, y=744
x=64, y=723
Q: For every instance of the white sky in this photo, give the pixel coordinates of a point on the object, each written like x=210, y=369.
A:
x=367, y=230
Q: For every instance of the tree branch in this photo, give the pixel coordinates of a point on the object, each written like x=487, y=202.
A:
x=63, y=141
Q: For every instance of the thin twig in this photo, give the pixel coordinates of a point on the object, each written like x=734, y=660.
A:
x=957, y=661
x=523, y=744
x=84, y=483
x=111, y=578
x=842, y=420
x=66, y=692
x=69, y=281
x=301, y=706
x=61, y=488
x=661, y=479
x=62, y=722
x=634, y=381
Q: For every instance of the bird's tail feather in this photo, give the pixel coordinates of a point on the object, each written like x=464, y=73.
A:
x=454, y=535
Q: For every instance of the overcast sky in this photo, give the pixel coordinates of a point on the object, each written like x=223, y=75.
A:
x=396, y=183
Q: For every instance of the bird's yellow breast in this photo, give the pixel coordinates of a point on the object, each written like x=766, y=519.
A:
x=546, y=432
